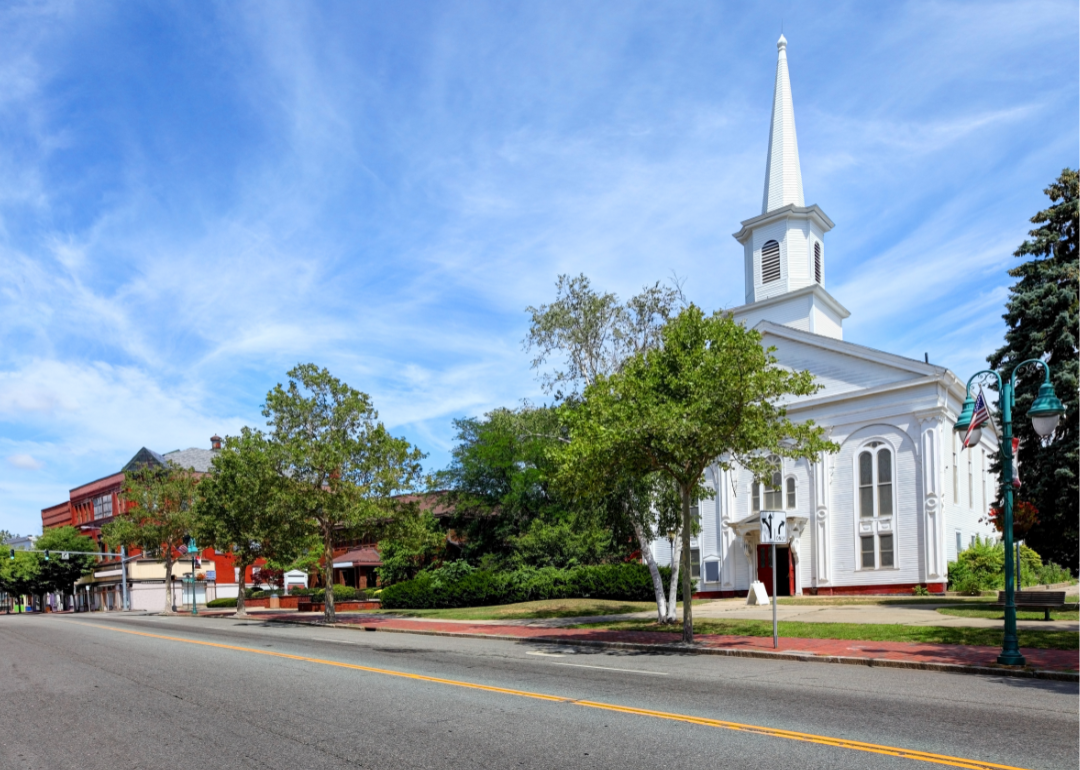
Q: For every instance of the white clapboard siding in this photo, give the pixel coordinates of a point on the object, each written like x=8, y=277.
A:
x=836, y=372
x=908, y=531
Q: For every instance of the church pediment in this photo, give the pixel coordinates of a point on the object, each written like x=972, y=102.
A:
x=842, y=367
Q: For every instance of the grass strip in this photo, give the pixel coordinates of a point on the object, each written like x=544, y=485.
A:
x=989, y=637
x=984, y=610
x=537, y=610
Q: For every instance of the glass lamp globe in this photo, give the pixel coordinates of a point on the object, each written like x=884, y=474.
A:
x=973, y=437
x=1046, y=425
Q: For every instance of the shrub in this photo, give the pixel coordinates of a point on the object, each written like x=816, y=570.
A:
x=920, y=591
x=1051, y=573
x=982, y=567
x=225, y=602
x=455, y=585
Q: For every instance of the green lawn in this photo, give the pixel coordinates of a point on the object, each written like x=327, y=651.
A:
x=836, y=601
x=550, y=608
x=984, y=610
x=1052, y=640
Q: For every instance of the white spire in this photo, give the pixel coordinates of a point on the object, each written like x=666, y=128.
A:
x=783, y=178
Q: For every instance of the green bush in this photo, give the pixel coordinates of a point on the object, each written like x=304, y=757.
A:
x=982, y=567
x=458, y=585
x=1053, y=573
x=228, y=602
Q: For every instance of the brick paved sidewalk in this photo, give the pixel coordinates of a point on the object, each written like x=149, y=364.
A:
x=899, y=654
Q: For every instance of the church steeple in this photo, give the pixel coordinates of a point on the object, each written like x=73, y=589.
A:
x=784, y=246
x=783, y=177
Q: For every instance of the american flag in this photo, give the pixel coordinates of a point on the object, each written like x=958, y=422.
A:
x=978, y=417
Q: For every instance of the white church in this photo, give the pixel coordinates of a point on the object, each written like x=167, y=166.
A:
x=899, y=500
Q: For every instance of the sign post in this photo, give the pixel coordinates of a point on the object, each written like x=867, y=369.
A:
x=773, y=532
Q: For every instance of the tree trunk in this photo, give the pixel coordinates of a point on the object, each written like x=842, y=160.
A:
x=170, y=595
x=687, y=592
x=241, y=610
x=328, y=574
x=673, y=584
x=654, y=571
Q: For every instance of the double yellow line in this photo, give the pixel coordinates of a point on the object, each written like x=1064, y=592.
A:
x=824, y=740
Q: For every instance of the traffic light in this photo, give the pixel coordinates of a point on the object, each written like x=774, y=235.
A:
x=12, y=554
x=46, y=555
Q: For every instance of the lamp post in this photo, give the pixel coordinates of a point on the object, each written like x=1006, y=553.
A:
x=1045, y=414
x=193, y=549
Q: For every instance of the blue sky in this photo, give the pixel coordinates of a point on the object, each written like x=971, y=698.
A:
x=195, y=197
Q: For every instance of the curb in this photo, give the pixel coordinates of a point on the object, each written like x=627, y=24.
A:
x=945, y=668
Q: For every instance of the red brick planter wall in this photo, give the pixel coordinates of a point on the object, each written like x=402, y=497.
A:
x=287, y=602
x=310, y=606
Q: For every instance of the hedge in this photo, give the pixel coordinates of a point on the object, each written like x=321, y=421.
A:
x=226, y=602
x=477, y=588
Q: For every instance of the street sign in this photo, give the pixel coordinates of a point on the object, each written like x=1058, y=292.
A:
x=773, y=533
x=773, y=528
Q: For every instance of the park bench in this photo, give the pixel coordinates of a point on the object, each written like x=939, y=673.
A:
x=1035, y=600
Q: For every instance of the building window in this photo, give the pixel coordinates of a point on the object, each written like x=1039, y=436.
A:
x=885, y=546
x=959, y=542
x=817, y=261
x=695, y=514
x=875, y=481
x=867, y=552
x=712, y=572
x=695, y=563
x=772, y=492
x=791, y=493
x=770, y=262
x=874, y=471
x=103, y=507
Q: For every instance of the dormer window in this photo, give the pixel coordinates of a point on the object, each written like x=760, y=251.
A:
x=817, y=261
x=770, y=262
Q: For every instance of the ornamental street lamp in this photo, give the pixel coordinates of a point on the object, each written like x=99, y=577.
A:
x=1045, y=414
x=193, y=549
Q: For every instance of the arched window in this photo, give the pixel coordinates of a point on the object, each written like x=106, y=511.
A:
x=875, y=481
x=875, y=502
x=817, y=261
x=790, y=493
x=772, y=494
x=770, y=263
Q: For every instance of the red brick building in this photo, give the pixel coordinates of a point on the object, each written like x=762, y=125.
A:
x=94, y=504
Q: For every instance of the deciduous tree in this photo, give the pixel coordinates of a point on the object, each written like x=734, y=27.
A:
x=341, y=467
x=710, y=393
x=58, y=575
x=241, y=506
x=156, y=515
x=595, y=334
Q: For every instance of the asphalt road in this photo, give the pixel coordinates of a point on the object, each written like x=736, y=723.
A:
x=85, y=692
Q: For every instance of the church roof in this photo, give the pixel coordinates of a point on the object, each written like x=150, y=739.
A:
x=783, y=177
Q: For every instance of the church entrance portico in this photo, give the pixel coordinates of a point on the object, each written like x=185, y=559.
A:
x=785, y=570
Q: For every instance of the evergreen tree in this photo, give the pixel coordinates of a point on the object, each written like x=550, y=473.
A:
x=1042, y=318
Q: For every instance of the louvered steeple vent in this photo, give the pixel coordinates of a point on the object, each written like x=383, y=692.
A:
x=785, y=258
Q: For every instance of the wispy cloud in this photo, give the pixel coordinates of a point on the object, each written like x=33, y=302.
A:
x=24, y=462
x=186, y=215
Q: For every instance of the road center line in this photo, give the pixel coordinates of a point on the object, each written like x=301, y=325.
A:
x=824, y=740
